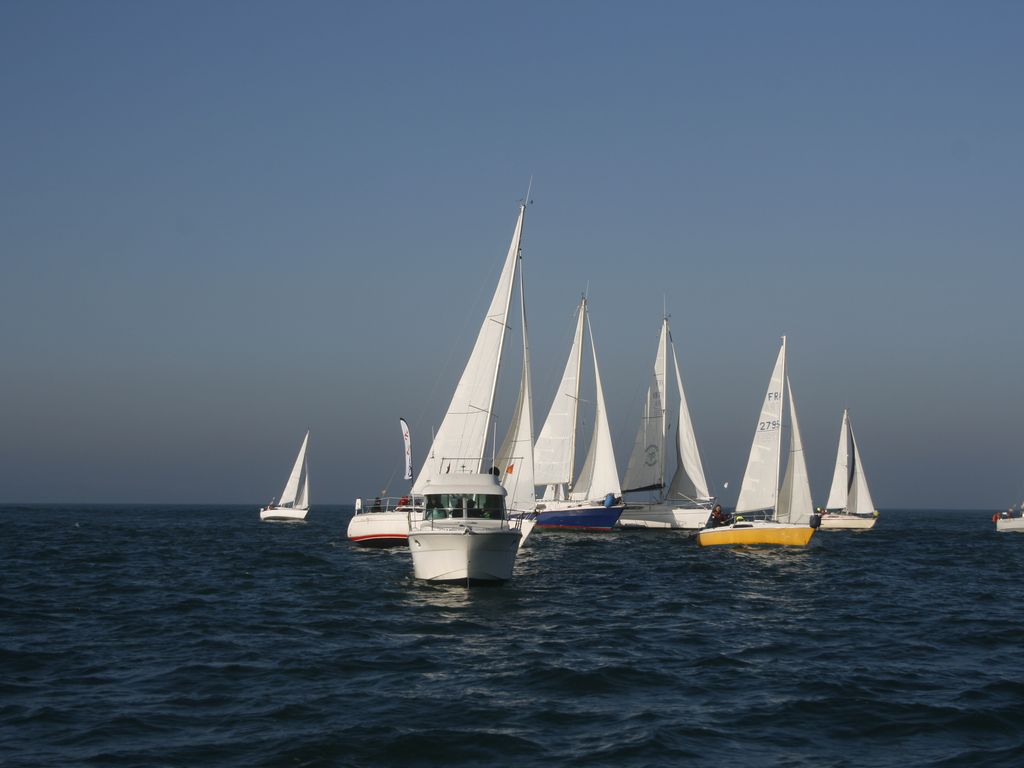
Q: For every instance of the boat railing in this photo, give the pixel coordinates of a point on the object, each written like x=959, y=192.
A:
x=469, y=465
x=388, y=504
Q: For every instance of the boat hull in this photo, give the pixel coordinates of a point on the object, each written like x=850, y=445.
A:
x=283, y=515
x=464, y=555
x=833, y=522
x=582, y=518
x=526, y=526
x=1010, y=525
x=659, y=516
x=757, y=533
x=379, y=529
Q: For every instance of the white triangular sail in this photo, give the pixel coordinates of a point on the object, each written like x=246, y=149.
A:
x=296, y=490
x=515, y=457
x=599, y=475
x=860, y=501
x=555, y=451
x=837, y=495
x=795, y=505
x=761, y=477
x=461, y=439
x=646, y=468
x=688, y=482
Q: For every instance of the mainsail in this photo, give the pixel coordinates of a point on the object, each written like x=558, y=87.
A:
x=515, y=457
x=599, y=475
x=859, y=502
x=555, y=451
x=838, y=494
x=795, y=505
x=688, y=482
x=646, y=468
x=461, y=439
x=296, y=490
x=761, y=478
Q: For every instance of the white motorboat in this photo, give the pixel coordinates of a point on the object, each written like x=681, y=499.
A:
x=686, y=503
x=463, y=534
x=294, y=502
x=385, y=523
x=849, y=506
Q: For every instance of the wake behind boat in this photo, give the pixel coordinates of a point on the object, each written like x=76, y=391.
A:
x=764, y=513
x=294, y=502
x=849, y=504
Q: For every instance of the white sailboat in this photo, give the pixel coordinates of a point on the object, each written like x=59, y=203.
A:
x=849, y=500
x=593, y=501
x=686, y=503
x=294, y=502
x=463, y=533
x=765, y=513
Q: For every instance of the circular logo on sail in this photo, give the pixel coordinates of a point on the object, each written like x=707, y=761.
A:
x=652, y=455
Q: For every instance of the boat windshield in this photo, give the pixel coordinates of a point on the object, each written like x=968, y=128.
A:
x=473, y=505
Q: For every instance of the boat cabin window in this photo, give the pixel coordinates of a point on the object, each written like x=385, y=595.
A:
x=481, y=506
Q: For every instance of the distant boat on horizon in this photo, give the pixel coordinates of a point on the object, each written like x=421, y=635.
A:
x=294, y=502
x=849, y=505
x=1007, y=523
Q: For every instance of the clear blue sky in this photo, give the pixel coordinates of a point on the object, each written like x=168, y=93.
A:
x=223, y=223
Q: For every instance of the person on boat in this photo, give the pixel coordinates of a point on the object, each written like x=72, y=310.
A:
x=718, y=517
x=376, y=504
x=403, y=501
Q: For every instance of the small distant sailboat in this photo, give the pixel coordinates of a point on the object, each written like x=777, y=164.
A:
x=784, y=516
x=849, y=501
x=593, y=503
x=686, y=504
x=294, y=502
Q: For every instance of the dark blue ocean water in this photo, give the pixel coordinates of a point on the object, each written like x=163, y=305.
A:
x=187, y=636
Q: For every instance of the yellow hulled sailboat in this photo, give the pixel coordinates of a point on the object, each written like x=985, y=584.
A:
x=766, y=514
